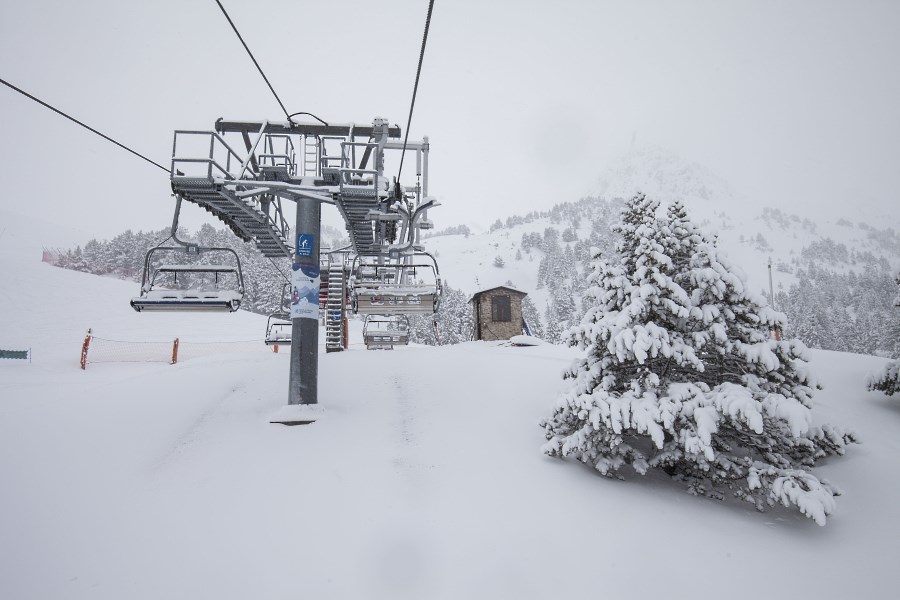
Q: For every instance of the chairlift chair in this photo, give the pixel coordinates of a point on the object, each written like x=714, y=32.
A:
x=279, y=325
x=278, y=329
x=397, y=288
x=162, y=291
x=385, y=332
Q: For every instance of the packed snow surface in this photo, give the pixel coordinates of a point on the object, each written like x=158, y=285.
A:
x=423, y=479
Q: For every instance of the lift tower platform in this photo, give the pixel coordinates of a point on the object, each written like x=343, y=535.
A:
x=242, y=171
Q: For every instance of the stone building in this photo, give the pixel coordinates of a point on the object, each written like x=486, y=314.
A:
x=498, y=313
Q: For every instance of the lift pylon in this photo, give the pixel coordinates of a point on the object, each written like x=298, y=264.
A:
x=243, y=171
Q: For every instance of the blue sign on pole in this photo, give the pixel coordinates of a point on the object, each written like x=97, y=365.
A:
x=305, y=244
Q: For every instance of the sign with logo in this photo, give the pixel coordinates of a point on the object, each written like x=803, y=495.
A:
x=305, y=283
x=305, y=244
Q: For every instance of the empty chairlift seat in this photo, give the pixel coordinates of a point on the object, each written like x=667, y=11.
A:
x=383, y=333
x=278, y=329
x=279, y=325
x=396, y=289
x=190, y=287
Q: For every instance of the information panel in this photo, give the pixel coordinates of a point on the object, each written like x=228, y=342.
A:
x=305, y=282
x=305, y=244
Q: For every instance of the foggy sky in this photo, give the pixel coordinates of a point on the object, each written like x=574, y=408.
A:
x=525, y=103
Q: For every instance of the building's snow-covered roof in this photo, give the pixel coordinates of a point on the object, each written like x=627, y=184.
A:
x=494, y=287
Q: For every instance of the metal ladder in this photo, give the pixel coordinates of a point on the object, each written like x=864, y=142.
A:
x=335, y=308
x=358, y=201
x=213, y=181
x=310, y=155
x=242, y=217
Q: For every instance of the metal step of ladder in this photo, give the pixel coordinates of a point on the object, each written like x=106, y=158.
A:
x=335, y=307
x=241, y=216
x=356, y=206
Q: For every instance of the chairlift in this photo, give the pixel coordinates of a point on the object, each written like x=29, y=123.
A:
x=279, y=325
x=410, y=285
x=278, y=329
x=190, y=287
x=385, y=332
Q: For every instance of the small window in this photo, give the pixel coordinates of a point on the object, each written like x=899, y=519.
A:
x=500, y=310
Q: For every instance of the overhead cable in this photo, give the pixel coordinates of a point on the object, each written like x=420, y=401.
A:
x=88, y=127
x=310, y=114
x=247, y=48
x=286, y=278
x=416, y=86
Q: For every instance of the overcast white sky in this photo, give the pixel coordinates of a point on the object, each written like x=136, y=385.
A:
x=525, y=103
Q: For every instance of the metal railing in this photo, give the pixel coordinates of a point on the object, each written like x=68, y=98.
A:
x=283, y=156
x=333, y=161
x=218, y=155
x=206, y=155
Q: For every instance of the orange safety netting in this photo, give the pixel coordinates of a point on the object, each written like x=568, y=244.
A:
x=97, y=350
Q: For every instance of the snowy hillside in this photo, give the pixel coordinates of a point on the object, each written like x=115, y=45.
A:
x=749, y=230
x=424, y=480
x=846, y=264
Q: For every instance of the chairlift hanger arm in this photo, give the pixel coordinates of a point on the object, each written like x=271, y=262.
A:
x=284, y=127
x=410, y=223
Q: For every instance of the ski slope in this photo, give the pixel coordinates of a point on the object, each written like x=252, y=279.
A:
x=424, y=479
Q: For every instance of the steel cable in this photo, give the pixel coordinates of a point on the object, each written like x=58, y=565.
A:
x=253, y=58
x=88, y=127
x=415, y=86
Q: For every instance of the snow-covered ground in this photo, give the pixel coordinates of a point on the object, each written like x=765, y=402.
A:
x=424, y=479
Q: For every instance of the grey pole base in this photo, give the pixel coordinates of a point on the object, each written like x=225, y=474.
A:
x=298, y=414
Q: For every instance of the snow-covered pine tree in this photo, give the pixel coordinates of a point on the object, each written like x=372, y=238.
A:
x=532, y=317
x=562, y=297
x=77, y=262
x=687, y=235
x=888, y=379
x=681, y=375
x=454, y=319
x=553, y=330
x=543, y=272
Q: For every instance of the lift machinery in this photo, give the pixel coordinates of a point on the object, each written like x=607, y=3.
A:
x=243, y=171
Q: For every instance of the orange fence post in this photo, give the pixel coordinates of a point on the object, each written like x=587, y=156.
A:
x=175, y=351
x=346, y=333
x=275, y=348
x=84, y=349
